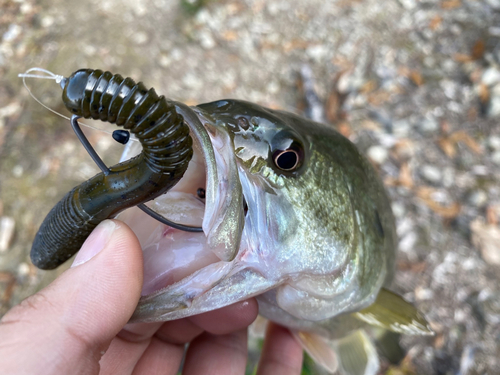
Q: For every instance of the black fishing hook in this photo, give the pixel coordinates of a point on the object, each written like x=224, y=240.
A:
x=104, y=168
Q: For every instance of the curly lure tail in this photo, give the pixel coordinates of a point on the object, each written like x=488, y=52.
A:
x=167, y=150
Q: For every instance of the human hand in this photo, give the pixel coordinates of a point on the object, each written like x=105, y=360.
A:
x=77, y=325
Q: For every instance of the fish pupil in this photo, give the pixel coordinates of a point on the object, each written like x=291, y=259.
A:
x=287, y=160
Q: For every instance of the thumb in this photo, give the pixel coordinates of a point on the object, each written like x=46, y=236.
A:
x=67, y=327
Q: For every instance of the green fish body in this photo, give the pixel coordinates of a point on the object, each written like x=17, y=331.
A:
x=295, y=216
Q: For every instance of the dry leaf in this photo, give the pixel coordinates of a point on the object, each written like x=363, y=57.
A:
x=448, y=147
x=391, y=181
x=230, y=35
x=445, y=127
x=369, y=87
x=412, y=267
x=6, y=277
x=379, y=97
x=333, y=106
x=462, y=136
x=416, y=78
x=483, y=92
x=435, y=22
x=370, y=125
x=405, y=178
x=447, y=212
x=491, y=215
x=234, y=8
x=478, y=50
x=345, y=129
x=448, y=144
x=295, y=44
x=404, y=148
x=486, y=238
x=258, y=6
x=439, y=341
x=451, y=4
x=10, y=281
x=462, y=58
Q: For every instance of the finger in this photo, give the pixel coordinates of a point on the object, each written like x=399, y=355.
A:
x=228, y=319
x=217, y=354
x=136, y=350
x=134, y=346
x=66, y=327
x=281, y=354
x=122, y=356
x=178, y=332
x=160, y=358
x=166, y=349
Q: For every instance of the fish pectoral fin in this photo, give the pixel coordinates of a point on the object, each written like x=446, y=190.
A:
x=392, y=312
x=357, y=354
x=318, y=349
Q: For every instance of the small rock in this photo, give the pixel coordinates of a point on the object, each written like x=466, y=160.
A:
x=429, y=125
x=494, y=109
x=494, y=142
x=378, y=154
x=478, y=198
x=448, y=177
x=12, y=33
x=7, y=227
x=47, y=21
x=408, y=4
x=495, y=4
x=491, y=76
x=406, y=245
x=486, y=237
x=317, y=53
x=18, y=171
x=495, y=158
x=401, y=128
x=431, y=173
x=140, y=37
x=480, y=170
x=423, y=294
x=449, y=88
x=206, y=39
x=23, y=269
x=398, y=209
x=494, y=31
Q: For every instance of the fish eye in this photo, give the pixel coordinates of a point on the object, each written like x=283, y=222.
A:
x=290, y=159
x=286, y=160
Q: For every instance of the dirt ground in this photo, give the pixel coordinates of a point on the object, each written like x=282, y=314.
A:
x=415, y=84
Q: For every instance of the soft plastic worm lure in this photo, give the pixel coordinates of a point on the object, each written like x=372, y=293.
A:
x=167, y=150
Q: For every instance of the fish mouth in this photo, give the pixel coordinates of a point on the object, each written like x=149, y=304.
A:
x=209, y=195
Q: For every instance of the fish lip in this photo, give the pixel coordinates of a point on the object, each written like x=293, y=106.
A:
x=224, y=215
x=201, y=140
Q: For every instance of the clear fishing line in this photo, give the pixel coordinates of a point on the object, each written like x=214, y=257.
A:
x=58, y=78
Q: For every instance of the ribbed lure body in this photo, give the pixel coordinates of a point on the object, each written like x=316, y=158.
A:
x=167, y=150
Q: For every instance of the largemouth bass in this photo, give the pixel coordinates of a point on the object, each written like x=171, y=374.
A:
x=292, y=214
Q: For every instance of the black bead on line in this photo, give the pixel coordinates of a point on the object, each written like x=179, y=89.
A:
x=123, y=138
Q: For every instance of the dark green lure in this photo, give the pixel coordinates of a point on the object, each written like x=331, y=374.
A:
x=167, y=150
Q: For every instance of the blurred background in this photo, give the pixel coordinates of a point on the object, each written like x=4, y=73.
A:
x=415, y=84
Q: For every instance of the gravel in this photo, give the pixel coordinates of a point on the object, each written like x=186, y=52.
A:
x=415, y=84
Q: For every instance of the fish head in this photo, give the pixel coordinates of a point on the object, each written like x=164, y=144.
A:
x=318, y=221
x=294, y=208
